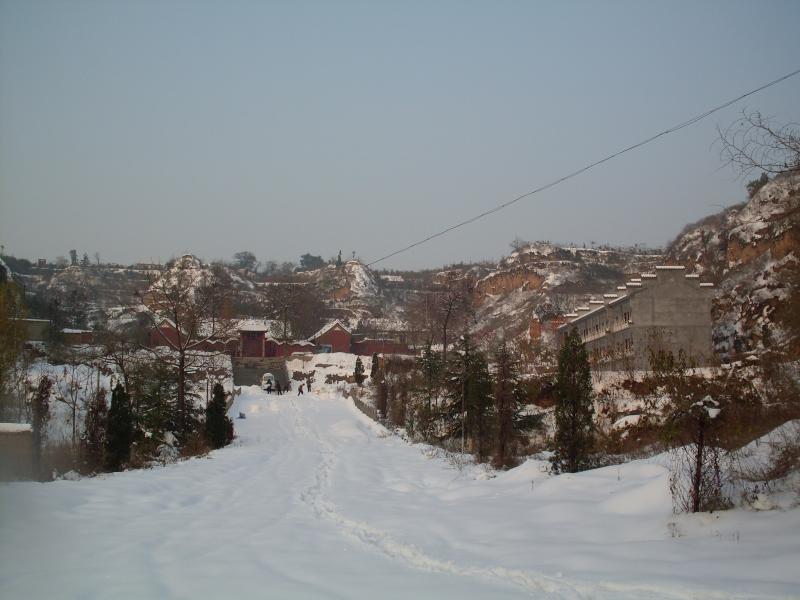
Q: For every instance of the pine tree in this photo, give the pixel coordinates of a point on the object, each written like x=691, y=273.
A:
x=469, y=391
x=358, y=374
x=156, y=391
x=509, y=405
x=119, y=431
x=40, y=413
x=574, y=438
x=94, y=436
x=219, y=428
x=430, y=368
x=373, y=369
x=427, y=388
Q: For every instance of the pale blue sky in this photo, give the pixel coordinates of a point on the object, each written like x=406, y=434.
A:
x=147, y=129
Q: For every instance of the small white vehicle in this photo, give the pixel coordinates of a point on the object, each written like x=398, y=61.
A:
x=267, y=382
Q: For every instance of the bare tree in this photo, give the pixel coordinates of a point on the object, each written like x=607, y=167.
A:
x=753, y=142
x=187, y=311
x=296, y=306
x=453, y=307
x=73, y=387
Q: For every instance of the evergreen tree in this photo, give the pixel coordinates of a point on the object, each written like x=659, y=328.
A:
x=359, y=372
x=427, y=388
x=469, y=390
x=574, y=438
x=119, y=431
x=40, y=413
x=94, y=436
x=374, y=366
x=156, y=392
x=509, y=405
x=430, y=368
x=219, y=428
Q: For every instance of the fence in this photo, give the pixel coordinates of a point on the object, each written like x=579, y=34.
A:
x=368, y=410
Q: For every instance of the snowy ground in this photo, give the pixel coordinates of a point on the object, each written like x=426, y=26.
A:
x=316, y=501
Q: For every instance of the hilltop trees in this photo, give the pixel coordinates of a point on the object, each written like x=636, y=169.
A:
x=574, y=438
x=309, y=262
x=245, y=260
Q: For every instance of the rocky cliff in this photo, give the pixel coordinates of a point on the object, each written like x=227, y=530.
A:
x=750, y=251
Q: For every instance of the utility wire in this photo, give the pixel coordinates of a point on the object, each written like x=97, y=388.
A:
x=555, y=182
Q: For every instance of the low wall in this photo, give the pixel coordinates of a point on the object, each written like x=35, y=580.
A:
x=16, y=452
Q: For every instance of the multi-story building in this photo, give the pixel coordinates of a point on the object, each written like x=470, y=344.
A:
x=665, y=310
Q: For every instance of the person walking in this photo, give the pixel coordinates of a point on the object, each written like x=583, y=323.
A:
x=300, y=390
x=278, y=388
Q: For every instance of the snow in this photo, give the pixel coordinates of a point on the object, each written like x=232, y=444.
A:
x=314, y=500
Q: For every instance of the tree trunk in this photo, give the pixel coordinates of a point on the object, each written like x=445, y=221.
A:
x=698, y=467
x=181, y=406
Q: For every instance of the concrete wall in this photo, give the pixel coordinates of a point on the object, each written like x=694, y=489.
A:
x=16, y=455
x=669, y=312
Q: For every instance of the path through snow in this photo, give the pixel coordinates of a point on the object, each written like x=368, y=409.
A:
x=316, y=501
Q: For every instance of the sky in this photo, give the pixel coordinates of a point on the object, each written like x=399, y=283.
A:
x=145, y=129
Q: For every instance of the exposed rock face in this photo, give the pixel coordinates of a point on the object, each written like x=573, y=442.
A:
x=504, y=282
x=747, y=249
x=539, y=281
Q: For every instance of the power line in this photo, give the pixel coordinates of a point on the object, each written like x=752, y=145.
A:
x=555, y=182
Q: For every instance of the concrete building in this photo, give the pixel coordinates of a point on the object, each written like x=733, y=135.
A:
x=665, y=310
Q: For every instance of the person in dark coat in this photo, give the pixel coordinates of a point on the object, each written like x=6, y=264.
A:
x=278, y=388
x=300, y=390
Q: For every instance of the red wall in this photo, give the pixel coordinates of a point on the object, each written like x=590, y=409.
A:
x=274, y=348
x=252, y=343
x=337, y=338
x=157, y=339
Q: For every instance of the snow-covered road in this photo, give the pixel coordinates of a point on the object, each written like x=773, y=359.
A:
x=316, y=501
